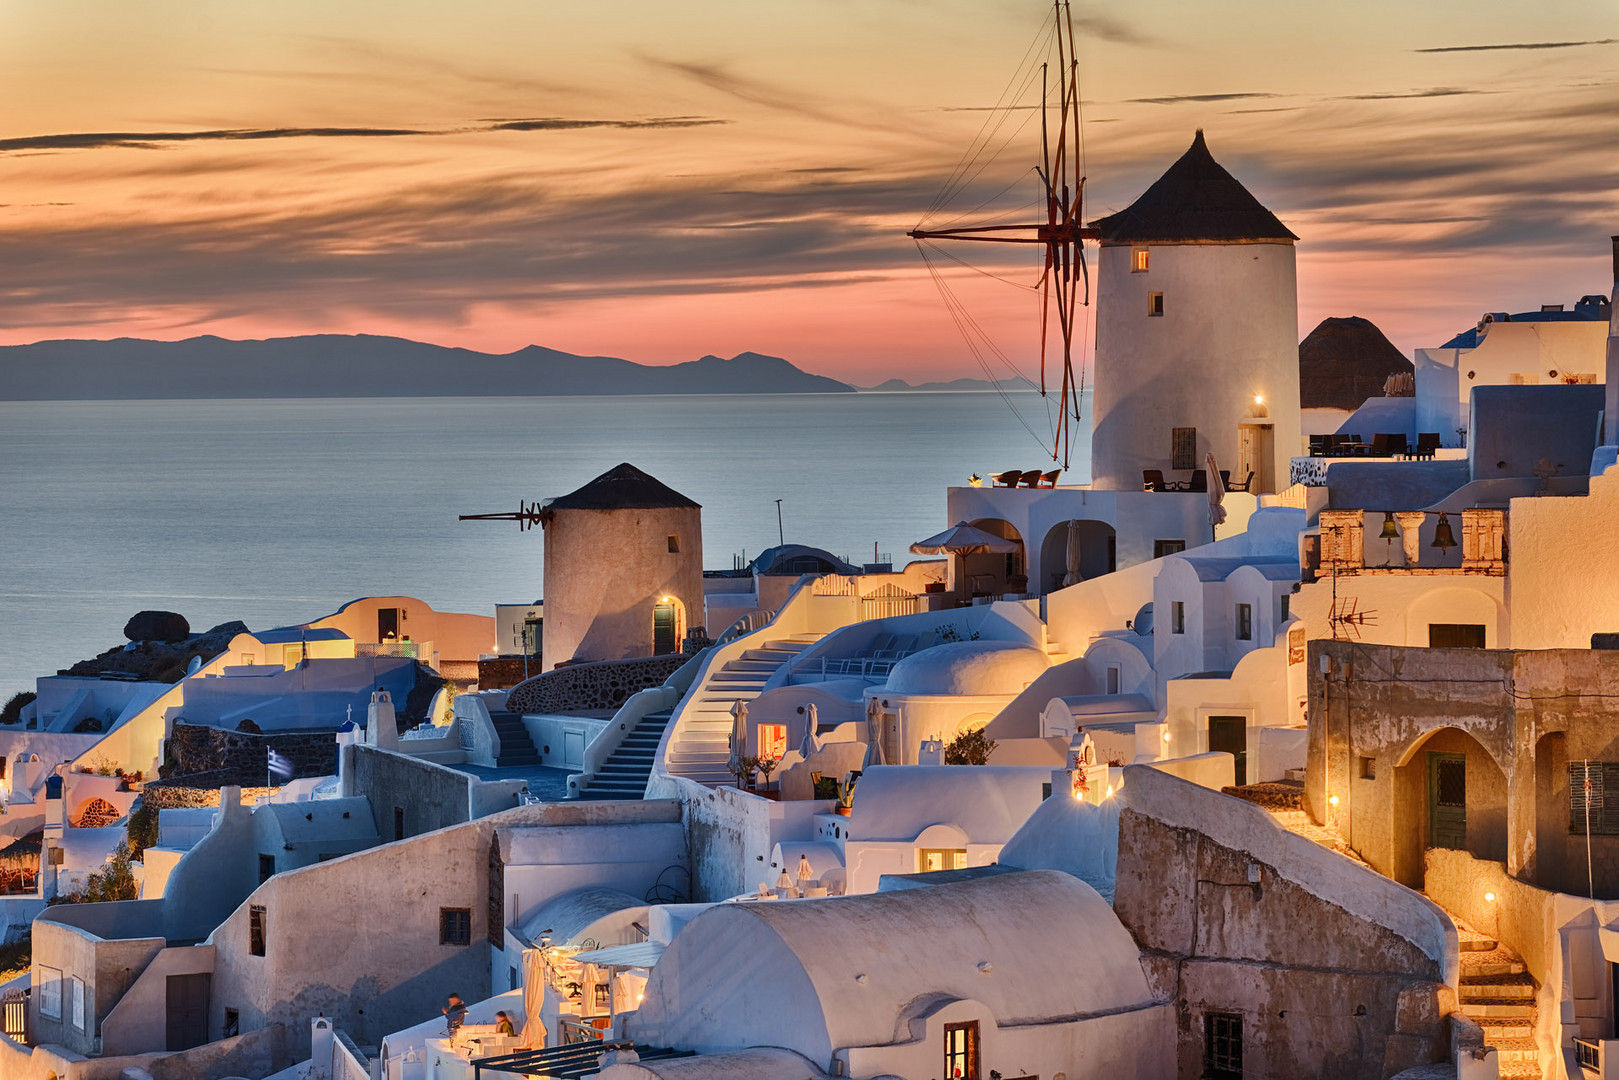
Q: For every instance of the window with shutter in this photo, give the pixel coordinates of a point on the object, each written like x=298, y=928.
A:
x=1604, y=812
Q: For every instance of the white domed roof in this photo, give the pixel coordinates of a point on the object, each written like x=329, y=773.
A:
x=968, y=669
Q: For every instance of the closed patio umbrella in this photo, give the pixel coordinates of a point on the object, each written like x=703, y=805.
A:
x=874, y=734
x=962, y=540
x=1073, y=576
x=1216, y=495
x=812, y=742
x=738, y=738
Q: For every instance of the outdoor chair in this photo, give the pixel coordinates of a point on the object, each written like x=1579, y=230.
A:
x=1031, y=479
x=1153, y=480
x=1200, y=480
x=1318, y=446
x=1049, y=480
x=1399, y=446
x=1225, y=479
x=1246, y=485
x=1380, y=446
x=1427, y=444
x=1007, y=479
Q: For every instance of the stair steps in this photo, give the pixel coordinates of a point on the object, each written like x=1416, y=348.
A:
x=625, y=772
x=1497, y=991
x=700, y=748
x=516, y=747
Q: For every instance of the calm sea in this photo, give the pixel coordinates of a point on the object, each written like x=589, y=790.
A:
x=276, y=512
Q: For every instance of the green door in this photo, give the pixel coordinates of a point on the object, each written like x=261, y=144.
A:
x=1447, y=801
x=1230, y=733
x=663, y=630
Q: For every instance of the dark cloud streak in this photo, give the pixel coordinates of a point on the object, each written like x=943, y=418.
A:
x=1517, y=45
x=152, y=140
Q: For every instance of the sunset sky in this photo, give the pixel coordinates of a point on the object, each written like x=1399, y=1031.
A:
x=660, y=181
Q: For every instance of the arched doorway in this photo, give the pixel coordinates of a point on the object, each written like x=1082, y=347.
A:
x=1449, y=793
x=995, y=575
x=1553, y=810
x=668, y=625
x=1098, y=552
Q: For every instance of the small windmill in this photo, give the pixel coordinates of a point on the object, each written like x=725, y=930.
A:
x=527, y=515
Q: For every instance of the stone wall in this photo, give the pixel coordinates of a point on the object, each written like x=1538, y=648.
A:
x=194, y=792
x=1319, y=957
x=604, y=685
x=238, y=757
x=504, y=672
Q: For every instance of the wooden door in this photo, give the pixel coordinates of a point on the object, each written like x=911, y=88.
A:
x=664, y=638
x=1447, y=801
x=1230, y=733
x=187, y=1010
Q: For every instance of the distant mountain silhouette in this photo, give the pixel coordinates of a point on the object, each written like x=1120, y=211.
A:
x=366, y=365
x=900, y=385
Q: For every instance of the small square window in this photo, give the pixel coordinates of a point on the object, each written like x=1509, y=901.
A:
x=1177, y=617
x=1160, y=548
x=50, y=992
x=1245, y=622
x=1287, y=603
x=1368, y=768
x=1138, y=260
x=233, y=1024
x=1155, y=303
x=1113, y=680
x=399, y=823
x=674, y=544
x=255, y=930
x=455, y=926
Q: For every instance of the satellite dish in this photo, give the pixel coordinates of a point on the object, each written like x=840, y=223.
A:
x=195, y=665
x=1143, y=620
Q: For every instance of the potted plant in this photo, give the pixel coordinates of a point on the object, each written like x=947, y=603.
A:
x=767, y=765
x=845, y=805
x=743, y=769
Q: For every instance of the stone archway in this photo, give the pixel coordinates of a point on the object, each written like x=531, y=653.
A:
x=96, y=814
x=1449, y=791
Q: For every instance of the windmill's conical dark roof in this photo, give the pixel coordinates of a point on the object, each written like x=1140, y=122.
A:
x=1345, y=361
x=622, y=488
x=1195, y=200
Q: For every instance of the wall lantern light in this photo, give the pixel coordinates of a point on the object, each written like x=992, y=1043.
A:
x=1332, y=800
x=1489, y=898
x=1259, y=399
x=1166, y=736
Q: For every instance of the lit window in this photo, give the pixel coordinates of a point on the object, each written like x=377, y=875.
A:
x=772, y=741
x=1155, y=303
x=1138, y=261
x=1177, y=617
x=454, y=926
x=1245, y=622
x=961, y=1051
x=929, y=860
x=255, y=930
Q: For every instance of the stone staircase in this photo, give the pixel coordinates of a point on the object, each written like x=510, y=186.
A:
x=700, y=745
x=624, y=774
x=516, y=748
x=1497, y=993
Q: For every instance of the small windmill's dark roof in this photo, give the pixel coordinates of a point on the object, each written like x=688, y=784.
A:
x=1344, y=361
x=1195, y=200
x=622, y=488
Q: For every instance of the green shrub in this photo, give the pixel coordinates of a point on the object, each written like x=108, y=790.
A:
x=12, y=713
x=969, y=748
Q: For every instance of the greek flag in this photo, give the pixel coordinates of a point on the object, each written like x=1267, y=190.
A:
x=279, y=765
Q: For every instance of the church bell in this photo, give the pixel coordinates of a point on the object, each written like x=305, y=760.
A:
x=1443, y=538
